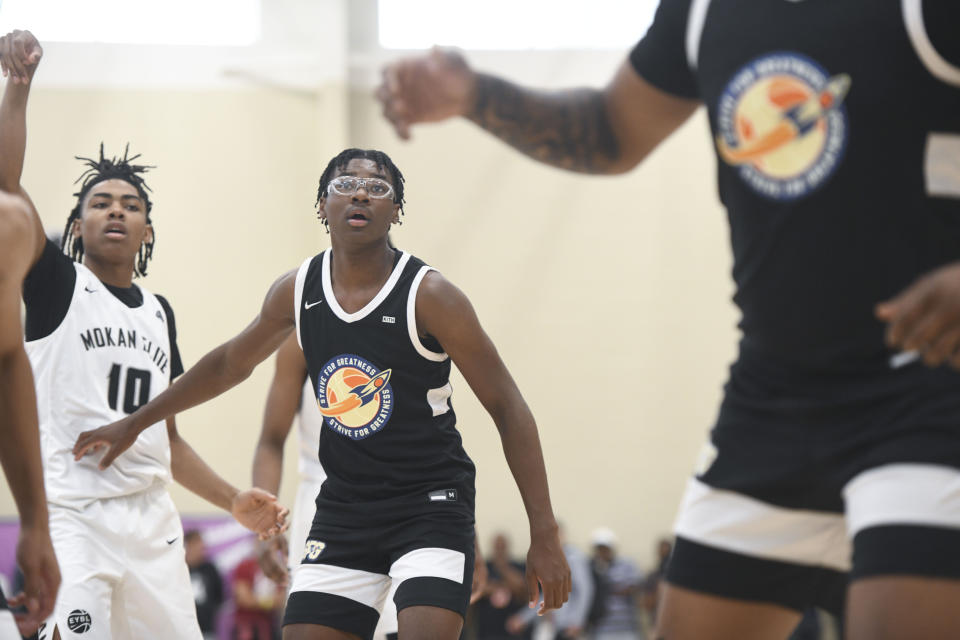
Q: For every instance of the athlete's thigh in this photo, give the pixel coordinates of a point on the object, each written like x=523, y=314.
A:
x=429, y=623
x=898, y=607
x=432, y=557
x=315, y=632
x=155, y=596
x=905, y=523
x=739, y=548
x=341, y=581
x=689, y=615
x=89, y=570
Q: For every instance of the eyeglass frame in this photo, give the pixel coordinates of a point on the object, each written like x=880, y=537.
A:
x=362, y=184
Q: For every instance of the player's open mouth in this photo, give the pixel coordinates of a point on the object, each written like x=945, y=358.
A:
x=357, y=218
x=115, y=231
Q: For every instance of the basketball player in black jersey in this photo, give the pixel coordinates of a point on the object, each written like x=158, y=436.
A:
x=20, y=453
x=379, y=330
x=836, y=453
x=86, y=325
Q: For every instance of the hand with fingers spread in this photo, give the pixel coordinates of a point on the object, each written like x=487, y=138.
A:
x=427, y=88
x=272, y=555
x=547, y=569
x=925, y=317
x=116, y=438
x=258, y=511
x=20, y=52
x=36, y=558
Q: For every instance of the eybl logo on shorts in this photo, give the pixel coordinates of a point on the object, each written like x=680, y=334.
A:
x=79, y=621
x=354, y=397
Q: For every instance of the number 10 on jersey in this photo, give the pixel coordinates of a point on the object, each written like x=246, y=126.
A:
x=136, y=391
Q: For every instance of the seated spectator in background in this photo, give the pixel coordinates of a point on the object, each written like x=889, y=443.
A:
x=259, y=603
x=651, y=585
x=570, y=620
x=505, y=593
x=614, y=616
x=206, y=581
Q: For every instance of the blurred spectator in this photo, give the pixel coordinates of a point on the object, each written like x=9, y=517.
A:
x=569, y=621
x=259, y=602
x=651, y=585
x=618, y=582
x=206, y=581
x=505, y=594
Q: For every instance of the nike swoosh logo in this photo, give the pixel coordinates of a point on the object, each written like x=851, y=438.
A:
x=172, y=541
x=311, y=304
x=89, y=290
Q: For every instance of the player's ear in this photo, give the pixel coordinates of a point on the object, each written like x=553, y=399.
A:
x=396, y=214
x=75, y=229
x=322, y=208
x=148, y=234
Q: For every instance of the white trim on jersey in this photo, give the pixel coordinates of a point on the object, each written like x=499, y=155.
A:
x=438, y=399
x=917, y=30
x=695, y=21
x=370, y=306
x=903, y=494
x=298, y=294
x=412, y=319
x=738, y=523
x=365, y=587
x=941, y=168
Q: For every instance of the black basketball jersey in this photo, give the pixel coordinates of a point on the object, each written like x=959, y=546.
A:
x=389, y=430
x=836, y=126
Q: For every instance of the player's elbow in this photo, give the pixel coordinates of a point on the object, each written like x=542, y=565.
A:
x=16, y=224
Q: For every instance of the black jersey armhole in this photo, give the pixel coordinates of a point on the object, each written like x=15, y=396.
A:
x=47, y=292
x=176, y=364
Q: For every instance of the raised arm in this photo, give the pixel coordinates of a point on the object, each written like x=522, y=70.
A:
x=444, y=312
x=221, y=369
x=586, y=130
x=20, y=453
x=20, y=54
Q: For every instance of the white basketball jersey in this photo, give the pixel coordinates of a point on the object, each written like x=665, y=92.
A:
x=309, y=427
x=103, y=362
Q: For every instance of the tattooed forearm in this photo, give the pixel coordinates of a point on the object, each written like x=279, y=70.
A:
x=567, y=129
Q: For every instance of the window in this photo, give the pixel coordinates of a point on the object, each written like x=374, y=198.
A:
x=514, y=24
x=157, y=22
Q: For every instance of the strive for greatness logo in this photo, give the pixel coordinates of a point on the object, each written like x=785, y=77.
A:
x=781, y=122
x=354, y=397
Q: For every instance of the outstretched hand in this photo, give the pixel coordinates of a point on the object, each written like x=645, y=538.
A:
x=925, y=317
x=20, y=52
x=258, y=511
x=116, y=438
x=427, y=88
x=36, y=558
x=547, y=570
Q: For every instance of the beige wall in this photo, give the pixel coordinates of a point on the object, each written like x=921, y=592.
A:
x=607, y=297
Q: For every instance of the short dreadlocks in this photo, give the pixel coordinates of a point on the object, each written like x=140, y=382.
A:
x=382, y=161
x=96, y=172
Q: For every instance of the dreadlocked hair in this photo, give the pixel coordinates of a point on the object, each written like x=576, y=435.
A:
x=96, y=172
x=383, y=162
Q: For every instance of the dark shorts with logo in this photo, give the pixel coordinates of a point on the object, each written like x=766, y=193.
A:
x=355, y=552
x=819, y=482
